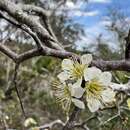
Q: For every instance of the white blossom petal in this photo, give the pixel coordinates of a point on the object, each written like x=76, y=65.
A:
x=77, y=91
x=93, y=104
x=29, y=121
x=91, y=73
x=67, y=64
x=108, y=95
x=78, y=103
x=63, y=76
x=105, y=78
x=78, y=83
x=86, y=59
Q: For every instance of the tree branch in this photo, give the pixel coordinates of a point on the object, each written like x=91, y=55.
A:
x=127, y=49
x=50, y=125
x=17, y=91
x=73, y=117
x=12, y=55
x=19, y=15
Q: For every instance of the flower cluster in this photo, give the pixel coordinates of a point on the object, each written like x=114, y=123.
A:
x=77, y=80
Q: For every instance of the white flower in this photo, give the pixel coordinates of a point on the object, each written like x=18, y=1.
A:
x=74, y=69
x=98, y=92
x=67, y=93
x=29, y=121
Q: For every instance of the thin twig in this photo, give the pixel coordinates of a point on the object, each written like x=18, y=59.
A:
x=16, y=88
x=110, y=119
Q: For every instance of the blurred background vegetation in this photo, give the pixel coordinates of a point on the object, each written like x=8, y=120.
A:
x=35, y=75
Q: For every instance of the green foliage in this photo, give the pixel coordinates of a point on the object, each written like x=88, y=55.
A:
x=105, y=52
x=45, y=64
x=121, y=76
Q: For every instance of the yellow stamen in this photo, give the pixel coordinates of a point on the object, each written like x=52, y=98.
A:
x=94, y=89
x=62, y=95
x=77, y=71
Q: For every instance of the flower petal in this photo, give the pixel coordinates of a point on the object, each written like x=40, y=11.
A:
x=91, y=73
x=93, y=104
x=108, y=95
x=63, y=76
x=29, y=121
x=78, y=103
x=86, y=59
x=78, y=83
x=77, y=91
x=67, y=64
x=105, y=78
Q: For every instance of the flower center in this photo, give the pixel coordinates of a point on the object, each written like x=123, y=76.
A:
x=77, y=71
x=61, y=91
x=94, y=88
